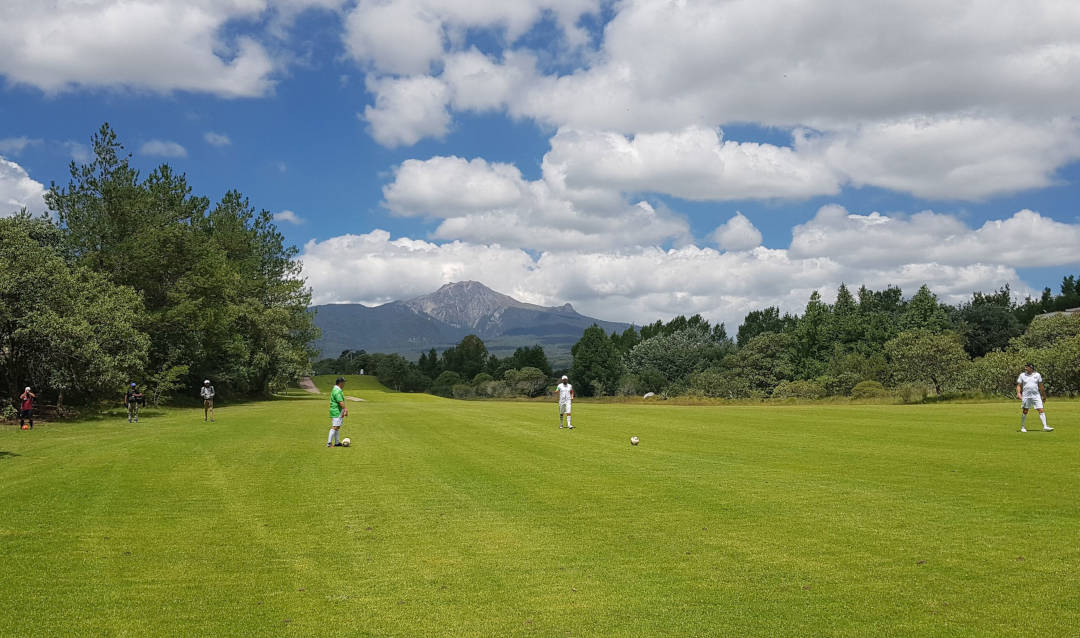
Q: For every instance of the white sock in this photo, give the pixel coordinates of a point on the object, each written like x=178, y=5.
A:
x=1023, y=417
x=1042, y=417
x=568, y=421
x=330, y=439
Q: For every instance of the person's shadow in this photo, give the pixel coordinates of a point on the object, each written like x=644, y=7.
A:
x=6, y=454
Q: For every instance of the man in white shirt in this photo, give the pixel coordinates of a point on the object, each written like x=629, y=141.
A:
x=1031, y=393
x=566, y=396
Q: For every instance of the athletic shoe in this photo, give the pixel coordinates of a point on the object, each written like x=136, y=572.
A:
x=561, y=427
x=1047, y=428
x=569, y=427
x=338, y=445
x=329, y=445
x=1023, y=429
x=211, y=420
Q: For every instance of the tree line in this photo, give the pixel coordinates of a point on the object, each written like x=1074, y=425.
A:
x=872, y=343
x=134, y=278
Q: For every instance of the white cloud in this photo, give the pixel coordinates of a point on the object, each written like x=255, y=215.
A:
x=943, y=102
x=16, y=145
x=288, y=216
x=216, y=139
x=407, y=110
x=18, y=190
x=407, y=37
x=160, y=45
x=950, y=157
x=694, y=163
x=638, y=284
x=1027, y=239
x=738, y=233
x=483, y=202
x=163, y=148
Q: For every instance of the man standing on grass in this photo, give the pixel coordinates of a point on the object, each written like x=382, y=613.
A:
x=338, y=412
x=131, y=401
x=1031, y=393
x=207, y=394
x=566, y=396
x=26, y=407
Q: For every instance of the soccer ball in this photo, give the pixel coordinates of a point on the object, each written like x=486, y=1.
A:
x=634, y=440
x=346, y=442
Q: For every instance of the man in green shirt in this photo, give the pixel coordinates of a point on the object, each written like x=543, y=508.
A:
x=338, y=412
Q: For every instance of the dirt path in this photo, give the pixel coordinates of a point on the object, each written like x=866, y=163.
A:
x=309, y=385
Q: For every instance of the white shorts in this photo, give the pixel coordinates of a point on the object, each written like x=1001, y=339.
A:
x=335, y=422
x=1032, y=402
x=564, y=407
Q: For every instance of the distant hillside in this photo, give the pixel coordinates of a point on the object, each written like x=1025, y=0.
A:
x=442, y=318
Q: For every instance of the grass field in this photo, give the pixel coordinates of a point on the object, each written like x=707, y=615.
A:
x=454, y=518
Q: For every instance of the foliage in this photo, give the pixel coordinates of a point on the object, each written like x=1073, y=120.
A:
x=869, y=390
x=527, y=381
x=222, y=292
x=920, y=356
x=63, y=329
x=802, y=389
x=763, y=362
x=671, y=357
x=597, y=364
x=445, y=382
x=912, y=392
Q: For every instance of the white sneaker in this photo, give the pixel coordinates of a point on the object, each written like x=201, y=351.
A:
x=1023, y=429
x=569, y=427
x=1047, y=428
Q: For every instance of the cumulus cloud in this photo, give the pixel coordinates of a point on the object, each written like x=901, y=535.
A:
x=407, y=37
x=695, y=163
x=216, y=139
x=288, y=216
x=1026, y=239
x=161, y=45
x=163, y=148
x=637, y=284
x=18, y=190
x=738, y=233
x=407, y=110
x=482, y=202
x=942, y=103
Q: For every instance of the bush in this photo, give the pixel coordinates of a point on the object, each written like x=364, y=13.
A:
x=463, y=391
x=9, y=413
x=798, y=390
x=444, y=384
x=869, y=390
x=482, y=377
x=839, y=385
x=716, y=384
x=912, y=392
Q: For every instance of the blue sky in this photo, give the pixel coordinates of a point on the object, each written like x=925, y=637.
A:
x=639, y=159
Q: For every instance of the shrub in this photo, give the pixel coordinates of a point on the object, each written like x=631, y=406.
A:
x=798, y=390
x=912, y=392
x=463, y=391
x=9, y=413
x=716, y=384
x=482, y=377
x=869, y=390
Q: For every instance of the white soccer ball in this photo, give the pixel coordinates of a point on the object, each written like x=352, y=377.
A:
x=346, y=442
x=634, y=440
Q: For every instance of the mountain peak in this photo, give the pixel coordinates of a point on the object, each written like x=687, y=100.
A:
x=464, y=304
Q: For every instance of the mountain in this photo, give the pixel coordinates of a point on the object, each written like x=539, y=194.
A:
x=441, y=319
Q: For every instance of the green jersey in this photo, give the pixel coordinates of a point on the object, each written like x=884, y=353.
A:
x=337, y=397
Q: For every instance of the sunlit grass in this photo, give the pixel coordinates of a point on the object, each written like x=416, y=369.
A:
x=484, y=519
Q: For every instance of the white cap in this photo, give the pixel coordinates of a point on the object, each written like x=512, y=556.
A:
x=566, y=378
x=27, y=389
x=207, y=381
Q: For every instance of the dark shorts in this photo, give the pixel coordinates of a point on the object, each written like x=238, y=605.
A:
x=26, y=414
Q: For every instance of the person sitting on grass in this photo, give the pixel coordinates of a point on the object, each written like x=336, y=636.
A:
x=26, y=407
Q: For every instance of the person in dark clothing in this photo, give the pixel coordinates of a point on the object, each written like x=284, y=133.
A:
x=26, y=407
x=131, y=401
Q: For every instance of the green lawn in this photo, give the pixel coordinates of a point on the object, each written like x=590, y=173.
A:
x=484, y=519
